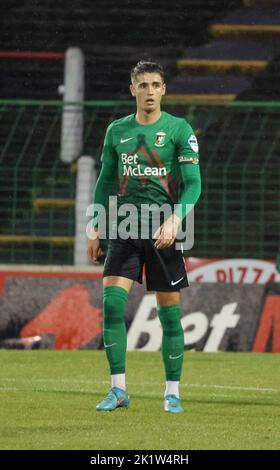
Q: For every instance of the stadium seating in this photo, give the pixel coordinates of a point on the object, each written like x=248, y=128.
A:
x=112, y=36
x=244, y=43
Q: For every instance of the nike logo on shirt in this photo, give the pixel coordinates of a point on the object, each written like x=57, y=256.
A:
x=122, y=141
x=173, y=283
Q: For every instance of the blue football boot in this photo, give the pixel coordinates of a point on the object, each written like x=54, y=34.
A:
x=172, y=404
x=116, y=398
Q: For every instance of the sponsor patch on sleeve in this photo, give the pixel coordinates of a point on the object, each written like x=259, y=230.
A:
x=192, y=141
x=183, y=159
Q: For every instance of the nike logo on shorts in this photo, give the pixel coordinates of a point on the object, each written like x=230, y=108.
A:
x=173, y=283
x=109, y=345
x=122, y=141
x=175, y=357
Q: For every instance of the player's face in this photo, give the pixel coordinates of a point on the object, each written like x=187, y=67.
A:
x=148, y=88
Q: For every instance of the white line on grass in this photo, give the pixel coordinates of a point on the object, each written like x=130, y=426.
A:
x=9, y=389
x=106, y=382
x=232, y=387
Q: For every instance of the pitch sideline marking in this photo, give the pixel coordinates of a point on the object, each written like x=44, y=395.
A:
x=104, y=382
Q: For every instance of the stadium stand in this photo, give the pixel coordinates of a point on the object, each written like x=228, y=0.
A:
x=112, y=35
x=244, y=43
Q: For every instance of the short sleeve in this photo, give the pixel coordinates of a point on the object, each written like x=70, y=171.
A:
x=187, y=145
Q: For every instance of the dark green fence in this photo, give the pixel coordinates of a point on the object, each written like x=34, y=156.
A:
x=237, y=214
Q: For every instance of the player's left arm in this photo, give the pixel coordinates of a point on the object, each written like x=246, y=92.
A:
x=188, y=159
x=191, y=180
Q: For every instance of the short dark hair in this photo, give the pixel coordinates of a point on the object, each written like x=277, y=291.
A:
x=144, y=66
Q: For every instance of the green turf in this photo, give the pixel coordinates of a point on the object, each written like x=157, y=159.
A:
x=48, y=398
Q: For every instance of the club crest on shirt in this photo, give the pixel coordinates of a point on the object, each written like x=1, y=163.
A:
x=160, y=136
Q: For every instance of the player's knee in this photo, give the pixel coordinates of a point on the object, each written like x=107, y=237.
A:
x=114, y=303
x=167, y=299
x=170, y=318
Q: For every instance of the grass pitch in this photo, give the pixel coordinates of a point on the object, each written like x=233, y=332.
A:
x=48, y=398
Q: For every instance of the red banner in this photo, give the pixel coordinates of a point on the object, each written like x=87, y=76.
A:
x=63, y=310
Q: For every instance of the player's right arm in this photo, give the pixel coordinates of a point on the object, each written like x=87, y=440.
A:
x=104, y=188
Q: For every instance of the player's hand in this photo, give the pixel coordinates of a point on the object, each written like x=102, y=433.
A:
x=166, y=233
x=94, y=251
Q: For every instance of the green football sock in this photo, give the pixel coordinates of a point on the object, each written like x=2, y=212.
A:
x=172, y=341
x=114, y=329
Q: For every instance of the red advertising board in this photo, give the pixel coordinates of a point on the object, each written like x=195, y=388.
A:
x=63, y=310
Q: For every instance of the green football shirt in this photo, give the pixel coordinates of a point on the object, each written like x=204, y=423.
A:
x=147, y=157
x=149, y=164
